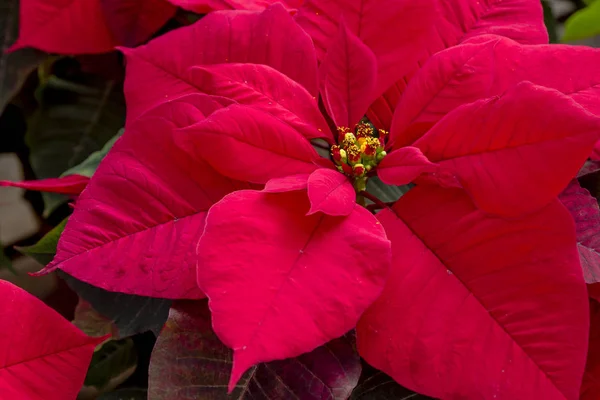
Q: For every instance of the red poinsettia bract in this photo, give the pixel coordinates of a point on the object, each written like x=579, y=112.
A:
x=216, y=189
x=43, y=356
x=98, y=26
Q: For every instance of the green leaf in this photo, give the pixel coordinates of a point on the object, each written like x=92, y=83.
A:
x=383, y=192
x=44, y=250
x=16, y=66
x=4, y=260
x=549, y=21
x=75, y=118
x=90, y=164
x=114, y=360
x=584, y=24
x=126, y=394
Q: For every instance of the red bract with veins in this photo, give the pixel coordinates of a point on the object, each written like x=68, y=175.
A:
x=98, y=26
x=471, y=291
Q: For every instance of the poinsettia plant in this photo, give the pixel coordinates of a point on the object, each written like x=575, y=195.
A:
x=310, y=197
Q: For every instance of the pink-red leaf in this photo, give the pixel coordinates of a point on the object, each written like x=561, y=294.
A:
x=43, y=356
x=590, y=388
x=403, y=165
x=135, y=227
x=267, y=89
x=189, y=363
x=330, y=192
x=349, y=72
x=270, y=37
x=133, y=21
x=476, y=306
x=515, y=153
x=84, y=27
x=403, y=34
x=70, y=184
x=487, y=67
x=586, y=214
x=206, y=6
x=247, y=144
x=281, y=283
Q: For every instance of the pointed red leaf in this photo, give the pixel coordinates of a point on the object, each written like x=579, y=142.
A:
x=44, y=357
x=247, y=144
x=205, y=6
x=402, y=166
x=349, y=74
x=517, y=152
x=70, y=185
x=479, y=307
x=266, y=89
x=135, y=227
x=281, y=283
x=330, y=192
x=189, y=363
x=487, y=67
x=133, y=21
x=90, y=26
x=590, y=388
x=270, y=37
x=431, y=25
x=586, y=214
x=287, y=184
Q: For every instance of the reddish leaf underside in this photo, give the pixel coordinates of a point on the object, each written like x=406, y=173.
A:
x=586, y=214
x=189, y=362
x=281, y=283
x=133, y=21
x=270, y=37
x=91, y=26
x=477, y=306
x=488, y=66
x=70, y=184
x=135, y=228
x=500, y=146
x=42, y=356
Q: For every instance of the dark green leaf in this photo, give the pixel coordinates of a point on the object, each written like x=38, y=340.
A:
x=90, y=164
x=16, y=66
x=130, y=314
x=44, y=250
x=383, y=192
x=375, y=385
x=584, y=24
x=113, y=359
x=549, y=21
x=74, y=119
x=126, y=394
x=189, y=362
x=4, y=260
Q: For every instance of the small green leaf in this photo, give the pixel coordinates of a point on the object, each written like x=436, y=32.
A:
x=112, y=360
x=549, y=21
x=75, y=118
x=584, y=24
x=4, y=260
x=90, y=164
x=44, y=250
